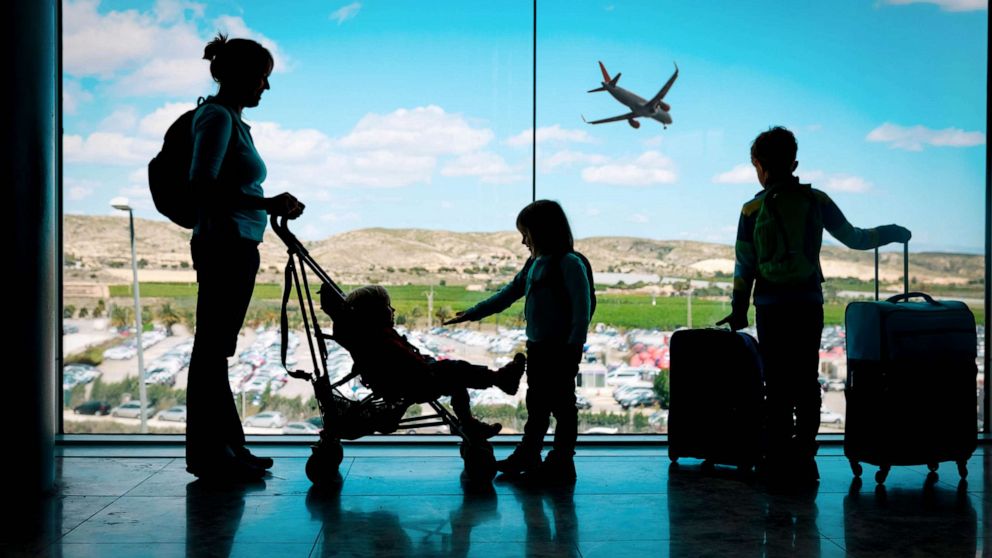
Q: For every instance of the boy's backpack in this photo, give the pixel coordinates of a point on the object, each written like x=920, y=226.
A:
x=788, y=230
x=557, y=280
x=168, y=172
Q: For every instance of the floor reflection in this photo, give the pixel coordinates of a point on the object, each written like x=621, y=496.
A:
x=929, y=521
x=388, y=531
x=554, y=536
x=213, y=515
x=719, y=514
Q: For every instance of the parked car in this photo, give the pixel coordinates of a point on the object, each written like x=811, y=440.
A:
x=829, y=417
x=177, y=413
x=300, y=428
x=93, y=407
x=582, y=403
x=132, y=409
x=268, y=419
x=640, y=399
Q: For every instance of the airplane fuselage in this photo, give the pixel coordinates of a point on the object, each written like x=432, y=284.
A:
x=638, y=105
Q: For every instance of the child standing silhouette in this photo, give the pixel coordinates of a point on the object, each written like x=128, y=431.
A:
x=556, y=286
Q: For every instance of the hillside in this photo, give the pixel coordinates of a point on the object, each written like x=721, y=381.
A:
x=97, y=249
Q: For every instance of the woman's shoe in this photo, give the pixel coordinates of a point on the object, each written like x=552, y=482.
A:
x=241, y=452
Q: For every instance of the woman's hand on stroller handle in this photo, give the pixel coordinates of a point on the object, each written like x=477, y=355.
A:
x=284, y=205
x=459, y=318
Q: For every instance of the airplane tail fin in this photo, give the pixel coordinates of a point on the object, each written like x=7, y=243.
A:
x=606, y=80
x=606, y=75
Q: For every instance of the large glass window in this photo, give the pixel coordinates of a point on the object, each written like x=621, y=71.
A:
x=406, y=129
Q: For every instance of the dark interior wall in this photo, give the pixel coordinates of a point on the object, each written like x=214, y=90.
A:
x=30, y=177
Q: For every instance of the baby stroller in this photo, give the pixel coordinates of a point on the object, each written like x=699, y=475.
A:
x=348, y=419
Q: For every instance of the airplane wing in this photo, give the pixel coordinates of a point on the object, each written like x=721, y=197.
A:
x=664, y=90
x=627, y=116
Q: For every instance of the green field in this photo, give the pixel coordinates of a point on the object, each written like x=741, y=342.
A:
x=634, y=310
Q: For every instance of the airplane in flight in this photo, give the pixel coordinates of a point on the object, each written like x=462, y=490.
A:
x=639, y=108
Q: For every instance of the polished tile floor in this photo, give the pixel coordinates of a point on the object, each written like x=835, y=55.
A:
x=409, y=501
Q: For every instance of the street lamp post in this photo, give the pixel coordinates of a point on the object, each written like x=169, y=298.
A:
x=121, y=204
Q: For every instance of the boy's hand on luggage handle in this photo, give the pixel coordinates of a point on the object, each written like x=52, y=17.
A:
x=734, y=321
x=285, y=204
x=894, y=233
x=459, y=318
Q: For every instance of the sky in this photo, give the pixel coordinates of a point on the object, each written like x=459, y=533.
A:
x=418, y=114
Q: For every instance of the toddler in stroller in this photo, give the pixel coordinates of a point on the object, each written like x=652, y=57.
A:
x=396, y=372
x=392, y=367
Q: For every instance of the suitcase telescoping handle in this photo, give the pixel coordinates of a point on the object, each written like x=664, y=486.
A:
x=905, y=277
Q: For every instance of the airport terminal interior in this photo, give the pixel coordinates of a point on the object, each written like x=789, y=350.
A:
x=129, y=495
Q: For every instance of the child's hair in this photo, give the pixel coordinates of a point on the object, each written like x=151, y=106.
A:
x=547, y=224
x=369, y=303
x=776, y=150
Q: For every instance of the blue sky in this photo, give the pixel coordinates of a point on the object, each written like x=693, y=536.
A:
x=418, y=114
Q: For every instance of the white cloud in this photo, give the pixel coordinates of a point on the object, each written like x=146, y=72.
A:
x=488, y=166
x=741, y=174
x=344, y=13
x=948, y=5
x=77, y=190
x=122, y=120
x=73, y=95
x=282, y=145
x=158, y=121
x=422, y=130
x=843, y=183
x=834, y=182
x=650, y=167
x=108, y=148
x=566, y=158
x=158, y=51
x=638, y=218
x=187, y=76
x=914, y=138
x=550, y=134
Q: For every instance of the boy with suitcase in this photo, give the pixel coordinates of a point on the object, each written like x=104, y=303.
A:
x=779, y=235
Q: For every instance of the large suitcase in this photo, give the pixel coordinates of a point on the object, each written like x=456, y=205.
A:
x=910, y=389
x=717, y=395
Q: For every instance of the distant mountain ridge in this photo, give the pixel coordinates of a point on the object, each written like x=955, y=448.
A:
x=97, y=248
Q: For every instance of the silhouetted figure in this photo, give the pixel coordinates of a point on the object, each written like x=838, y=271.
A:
x=778, y=253
x=227, y=175
x=353, y=531
x=556, y=285
x=397, y=370
x=213, y=516
x=554, y=536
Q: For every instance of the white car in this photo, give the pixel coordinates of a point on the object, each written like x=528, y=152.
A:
x=132, y=409
x=177, y=413
x=829, y=417
x=268, y=419
x=302, y=428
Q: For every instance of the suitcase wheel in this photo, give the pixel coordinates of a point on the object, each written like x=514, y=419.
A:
x=856, y=469
x=882, y=473
x=963, y=469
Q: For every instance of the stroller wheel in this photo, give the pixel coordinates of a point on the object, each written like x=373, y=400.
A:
x=480, y=463
x=322, y=466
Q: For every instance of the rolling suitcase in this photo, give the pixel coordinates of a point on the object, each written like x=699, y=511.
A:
x=716, y=410
x=910, y=389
